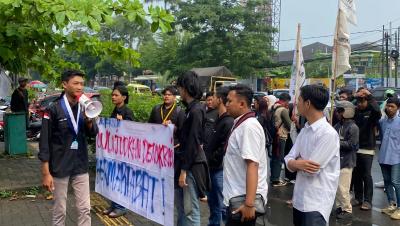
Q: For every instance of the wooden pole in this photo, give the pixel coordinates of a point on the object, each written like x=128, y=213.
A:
x=294, y=112
x=333, y=85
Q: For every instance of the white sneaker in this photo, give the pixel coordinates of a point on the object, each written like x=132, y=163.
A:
x=380, y=184
x=389, y=210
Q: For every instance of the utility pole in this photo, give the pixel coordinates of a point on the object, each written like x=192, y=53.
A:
x=383, y=56
x=398, y=50
x=396, y=60
x=387, y=58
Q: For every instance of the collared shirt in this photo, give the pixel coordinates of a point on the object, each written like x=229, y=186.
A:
x=247, y=142
x=318, y=142
x=390, y=148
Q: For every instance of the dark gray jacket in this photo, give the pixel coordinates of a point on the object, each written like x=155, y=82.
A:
x=349, y=135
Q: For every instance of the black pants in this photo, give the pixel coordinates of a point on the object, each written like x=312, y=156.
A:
x=308, y=218
x=289, y=144
x=278, y=154
x=362, y=179
x=232, y=222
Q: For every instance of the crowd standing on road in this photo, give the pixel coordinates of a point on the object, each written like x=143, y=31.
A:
x=222, y=150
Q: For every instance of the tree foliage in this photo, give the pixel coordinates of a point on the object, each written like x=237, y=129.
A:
x=226, y=32
x=32, y=30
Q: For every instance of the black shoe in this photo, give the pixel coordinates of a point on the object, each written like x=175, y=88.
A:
x=279, y=183
x=344, y=215
x=338, y=211
x=356, y=202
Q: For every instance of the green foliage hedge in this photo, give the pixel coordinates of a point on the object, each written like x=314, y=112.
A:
x=140, y=104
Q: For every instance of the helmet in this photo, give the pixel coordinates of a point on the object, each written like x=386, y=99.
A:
x=349, y=108
x=389, y=93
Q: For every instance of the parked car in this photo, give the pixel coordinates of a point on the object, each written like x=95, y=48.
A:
x=379, y=93
x=138, y=88
x=278, y=92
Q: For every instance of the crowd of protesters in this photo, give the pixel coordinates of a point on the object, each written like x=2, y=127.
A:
x=222, y=150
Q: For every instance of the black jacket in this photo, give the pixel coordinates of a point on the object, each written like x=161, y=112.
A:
x=209, y=126
x=177, y=118
x=216, y=148
x=367, y=121
x=349, y=133
x=19, y=100
x=191, y=156
x=127, y=114
x=56, y=138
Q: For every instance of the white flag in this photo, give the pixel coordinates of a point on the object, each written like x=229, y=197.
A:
x=349, y=9
x=298, y=77
x=341, y=46
x=5, y=84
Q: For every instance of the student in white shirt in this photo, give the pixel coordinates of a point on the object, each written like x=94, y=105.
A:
x=316, y=158
x=245, y=161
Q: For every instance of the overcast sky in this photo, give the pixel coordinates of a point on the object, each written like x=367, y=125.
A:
x=318, y=17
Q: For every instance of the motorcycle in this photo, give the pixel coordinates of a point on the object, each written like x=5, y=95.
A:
x=34, y=127
x=2, y=112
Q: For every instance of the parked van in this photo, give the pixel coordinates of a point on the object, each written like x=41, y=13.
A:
x=138, y=88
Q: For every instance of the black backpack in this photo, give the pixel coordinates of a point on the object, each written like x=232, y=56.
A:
x=264, y=121
x=272, y=128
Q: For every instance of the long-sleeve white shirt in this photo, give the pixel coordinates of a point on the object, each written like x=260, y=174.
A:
x=318, y=142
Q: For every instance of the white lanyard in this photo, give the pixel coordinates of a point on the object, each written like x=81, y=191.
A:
x=75, y=122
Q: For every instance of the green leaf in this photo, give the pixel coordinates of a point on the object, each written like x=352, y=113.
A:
x=93, y=24
x=70, y=15
x=6, y=54
x=154, y=26
x=60, y=18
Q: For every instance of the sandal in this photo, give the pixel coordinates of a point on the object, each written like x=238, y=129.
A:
x=108, y=211
x=117, y=213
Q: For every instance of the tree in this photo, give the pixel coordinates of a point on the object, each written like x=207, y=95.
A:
x=227, y=33
x=31, y=31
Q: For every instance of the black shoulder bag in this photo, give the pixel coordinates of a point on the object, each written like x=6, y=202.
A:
x=237, y=201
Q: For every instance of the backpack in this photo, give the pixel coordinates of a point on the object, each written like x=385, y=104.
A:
x=271, y=126
x=264, y=121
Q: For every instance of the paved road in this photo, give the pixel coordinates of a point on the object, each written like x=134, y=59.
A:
x=24, y=172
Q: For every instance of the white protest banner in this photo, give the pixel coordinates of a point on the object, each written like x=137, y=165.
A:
x=135, y=167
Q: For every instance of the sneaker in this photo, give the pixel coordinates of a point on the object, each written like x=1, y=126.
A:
x=293, y=181
x=279, y=183
x=390, y=209
x=355, y=202
x=396, y=215
x=366, y=206
x=344, y=215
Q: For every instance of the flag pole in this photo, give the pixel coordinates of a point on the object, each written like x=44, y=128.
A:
x=297, y=70
x=333, y=80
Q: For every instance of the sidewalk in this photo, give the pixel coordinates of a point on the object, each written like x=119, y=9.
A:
x=21, y=173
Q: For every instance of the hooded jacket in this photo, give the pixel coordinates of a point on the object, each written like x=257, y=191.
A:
x=349, y=134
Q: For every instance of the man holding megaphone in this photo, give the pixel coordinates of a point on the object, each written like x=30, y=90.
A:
x=63, y=147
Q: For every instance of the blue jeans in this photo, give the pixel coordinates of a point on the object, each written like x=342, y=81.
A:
x=391, y=179
x=216, y=198
x=115, y=205
x=193, y=218
x=277, y=160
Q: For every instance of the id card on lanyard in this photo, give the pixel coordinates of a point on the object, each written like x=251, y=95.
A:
x=73, y=123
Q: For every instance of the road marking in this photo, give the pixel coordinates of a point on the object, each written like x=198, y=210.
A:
x=99, y=205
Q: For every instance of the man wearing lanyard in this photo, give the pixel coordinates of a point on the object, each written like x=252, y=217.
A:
x=63, y=150
x=168, y=112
